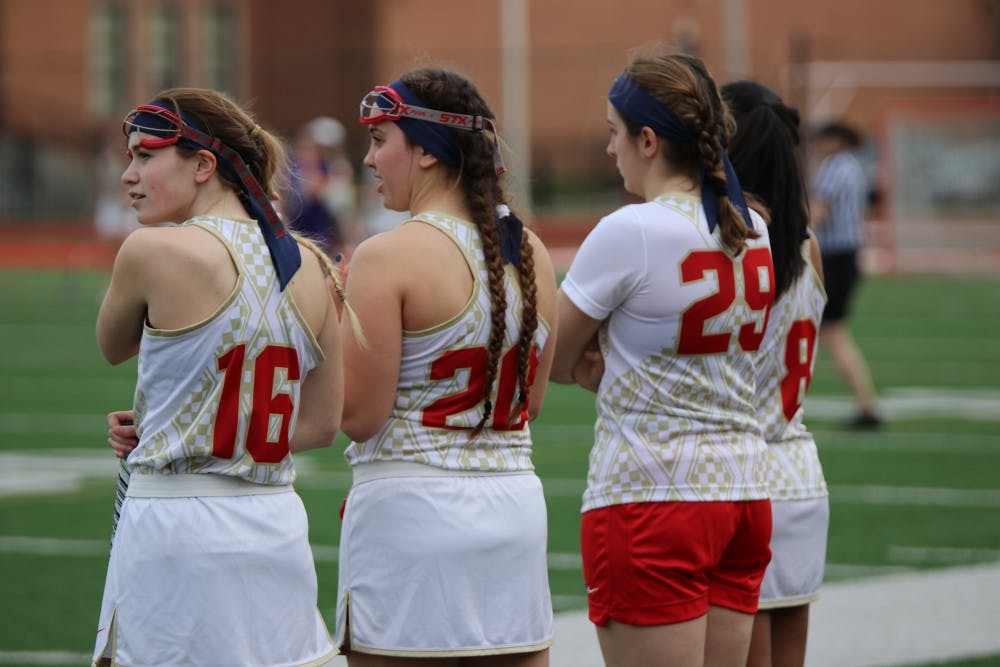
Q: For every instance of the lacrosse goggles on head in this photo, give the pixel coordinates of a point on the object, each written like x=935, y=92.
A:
x=167, y=129
x=396, y=103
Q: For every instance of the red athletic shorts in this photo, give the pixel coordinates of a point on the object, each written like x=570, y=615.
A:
x=666, y=562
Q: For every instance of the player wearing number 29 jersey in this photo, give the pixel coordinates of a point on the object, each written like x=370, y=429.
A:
x=662, y=314
x=675, y=408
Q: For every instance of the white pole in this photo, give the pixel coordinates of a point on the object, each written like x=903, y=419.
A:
x=734, y=30
x=515, y=89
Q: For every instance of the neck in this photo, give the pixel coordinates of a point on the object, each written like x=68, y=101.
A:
x=655, y=185
x=220, y=202
x=441, y=194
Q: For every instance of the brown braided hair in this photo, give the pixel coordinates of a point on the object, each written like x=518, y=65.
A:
x=482, y=191
x=683, y=85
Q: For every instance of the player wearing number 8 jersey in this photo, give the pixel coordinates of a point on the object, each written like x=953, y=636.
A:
x=677, y=290
x=443, y=543
x=765, y=157
x=239, y=364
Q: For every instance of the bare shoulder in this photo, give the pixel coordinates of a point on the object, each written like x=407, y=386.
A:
x=538, y=248
x=148, y=248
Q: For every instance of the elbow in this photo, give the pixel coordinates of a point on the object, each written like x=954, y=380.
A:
x=361, y=420
x=559, y=376
x=312, y=437
x=115, y=357
x=358, y=431
x=114, y=351
x=361, y=425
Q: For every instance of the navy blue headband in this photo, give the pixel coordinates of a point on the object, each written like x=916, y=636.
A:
x=284, y=250
x=637, y=106
x=434, y=137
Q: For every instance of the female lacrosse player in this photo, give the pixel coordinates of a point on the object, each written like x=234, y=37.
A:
x=677, y=289
x=763, y=152
x=239, y=364
x=443, y=542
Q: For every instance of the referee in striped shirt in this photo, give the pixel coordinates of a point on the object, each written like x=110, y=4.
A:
x=837, y=203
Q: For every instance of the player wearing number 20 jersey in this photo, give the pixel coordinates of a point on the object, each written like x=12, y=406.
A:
x=675, y=409
x=442, y=371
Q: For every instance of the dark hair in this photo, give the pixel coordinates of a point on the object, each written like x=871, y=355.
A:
x=840, y=131
x=483, y=192
x=764, y=154
x=683, y=85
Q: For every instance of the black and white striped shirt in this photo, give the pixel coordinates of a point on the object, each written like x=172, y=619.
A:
x=840, y=181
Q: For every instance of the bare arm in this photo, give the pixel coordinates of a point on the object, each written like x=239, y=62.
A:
x=123, y=312
x=321, y=401
x=575, y=359
x=371, y=372
x=545, y=281
x=815, y=258
x=819, y=212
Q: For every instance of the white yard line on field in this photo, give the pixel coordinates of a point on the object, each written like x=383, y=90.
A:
x=884, y=621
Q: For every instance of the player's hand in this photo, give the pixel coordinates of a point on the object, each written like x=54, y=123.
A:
x=122, y=436
x=589, y=368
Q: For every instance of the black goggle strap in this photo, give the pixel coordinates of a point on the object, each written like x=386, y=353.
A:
x=282, y=246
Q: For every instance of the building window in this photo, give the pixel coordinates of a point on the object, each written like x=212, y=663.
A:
x=164, y=47
x=220, y=47
x=108, y=59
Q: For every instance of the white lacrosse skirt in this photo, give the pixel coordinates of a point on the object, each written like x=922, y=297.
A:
x=798, y=553
x=212, y=580
x=436, y=563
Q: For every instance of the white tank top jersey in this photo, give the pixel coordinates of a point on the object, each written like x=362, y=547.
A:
x=682, y=320
x=442, y=375
x=786, y=361
x=222, y=396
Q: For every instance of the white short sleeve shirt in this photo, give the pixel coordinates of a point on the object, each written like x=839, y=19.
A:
x=682, y=320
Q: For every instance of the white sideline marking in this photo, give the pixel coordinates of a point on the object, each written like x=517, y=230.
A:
x=914, y=402
x=942, y=555
x=898, y=619
x=914, y=496
x=883, y=621
x=43, y=658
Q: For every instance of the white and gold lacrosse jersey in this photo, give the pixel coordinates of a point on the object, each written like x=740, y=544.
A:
x=682, y=322
x=785, y=367
x=222, y=396
x=442, y=380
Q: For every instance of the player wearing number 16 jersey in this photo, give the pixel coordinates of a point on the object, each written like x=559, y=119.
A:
x=676, y=519
x=239, y=364
x=442, y=549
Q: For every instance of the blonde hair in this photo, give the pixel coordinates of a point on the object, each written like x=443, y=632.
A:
x=330, y=269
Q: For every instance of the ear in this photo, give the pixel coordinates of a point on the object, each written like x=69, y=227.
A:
x=205, y=166
x=425, y=160
x=649, y=143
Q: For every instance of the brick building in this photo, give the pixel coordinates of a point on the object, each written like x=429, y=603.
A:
x=64, y=79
